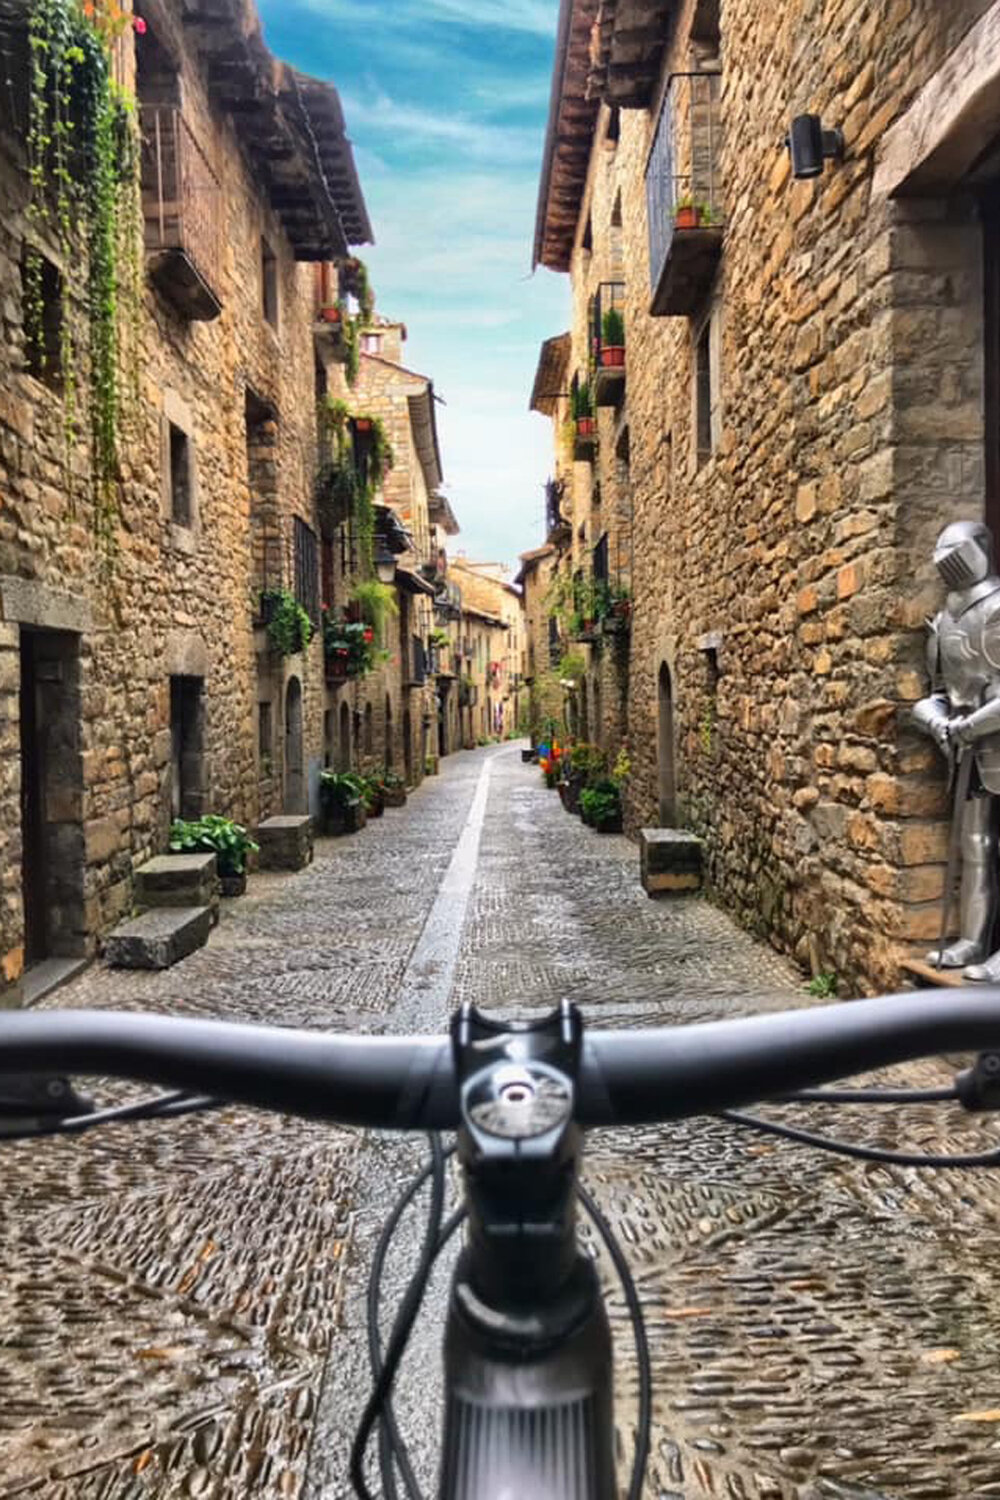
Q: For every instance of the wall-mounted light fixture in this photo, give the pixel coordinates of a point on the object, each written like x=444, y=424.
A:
x=385, y=562
x=810, y=145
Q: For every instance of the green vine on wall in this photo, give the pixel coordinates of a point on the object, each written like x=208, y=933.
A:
x=348, y=487
x=83, y=168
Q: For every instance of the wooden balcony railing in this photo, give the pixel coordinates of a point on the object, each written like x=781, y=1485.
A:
x=183, y=214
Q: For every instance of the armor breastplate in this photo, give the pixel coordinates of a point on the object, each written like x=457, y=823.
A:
x=969, y=663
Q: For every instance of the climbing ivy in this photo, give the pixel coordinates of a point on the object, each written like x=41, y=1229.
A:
x=83, y=170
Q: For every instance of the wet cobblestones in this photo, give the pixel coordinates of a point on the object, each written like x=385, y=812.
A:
x=181, y=1311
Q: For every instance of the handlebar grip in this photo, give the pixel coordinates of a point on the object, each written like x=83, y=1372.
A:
x=402, y=1083
x=640, y=1077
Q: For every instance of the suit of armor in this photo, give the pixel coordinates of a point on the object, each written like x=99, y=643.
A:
x=962, y=714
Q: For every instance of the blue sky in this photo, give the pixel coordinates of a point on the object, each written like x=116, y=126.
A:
x=446, y=103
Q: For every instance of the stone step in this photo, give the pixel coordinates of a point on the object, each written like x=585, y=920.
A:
x=286, y=842
x=669, y=861
x=178, y=880
x=159, y=937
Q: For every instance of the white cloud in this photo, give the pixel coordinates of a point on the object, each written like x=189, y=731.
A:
x=415, y=129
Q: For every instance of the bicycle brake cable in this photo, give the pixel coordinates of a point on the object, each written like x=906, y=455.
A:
x=161, y=1106
x=644, y=1423
x=863, y=1153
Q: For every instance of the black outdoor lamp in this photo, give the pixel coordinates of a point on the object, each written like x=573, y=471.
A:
x=810, y=145
x=385, y=562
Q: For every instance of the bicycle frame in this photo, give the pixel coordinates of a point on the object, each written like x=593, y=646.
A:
x=528, y=1363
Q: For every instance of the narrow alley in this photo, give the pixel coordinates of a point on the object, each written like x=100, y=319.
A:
x=182, y=1309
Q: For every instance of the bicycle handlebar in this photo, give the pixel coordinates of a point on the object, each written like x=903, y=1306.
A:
x=409, y=1083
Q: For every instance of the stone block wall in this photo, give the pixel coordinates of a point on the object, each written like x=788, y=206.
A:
x=847, y=335
x=176, y=600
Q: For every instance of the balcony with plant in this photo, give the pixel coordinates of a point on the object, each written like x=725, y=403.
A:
x=355, y=457
x=684, y=194
x=607, y=343
x=582, y=419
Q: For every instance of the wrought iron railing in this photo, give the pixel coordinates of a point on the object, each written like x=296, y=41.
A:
x=683, y=190
x=609, y=297
x=181, y=194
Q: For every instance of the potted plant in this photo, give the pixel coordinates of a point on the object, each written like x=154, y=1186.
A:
x=228, y=841
x=601, y=806
x=685, y=213
x=393, y=789
x=341, y=802
x=612, y=338
x=362, y=424
x=372, y=794
x=289, y=628
x=583, y=409
x=331, y=312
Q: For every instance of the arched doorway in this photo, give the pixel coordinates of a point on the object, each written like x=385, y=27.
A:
x=295, y=788
x=665, y=749
x=344, y=747
x=388, y=733
x=407, y=747
x=369, y=731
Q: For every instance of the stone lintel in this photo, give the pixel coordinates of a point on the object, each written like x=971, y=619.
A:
x=710, y=641
x=937, y=140
x=28, y=602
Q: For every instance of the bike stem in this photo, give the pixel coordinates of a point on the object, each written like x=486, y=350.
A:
x=527, y=1345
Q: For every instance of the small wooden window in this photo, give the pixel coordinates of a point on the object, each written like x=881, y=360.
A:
x=371, y=343
x=269, y=283
x=41, y=285
x=179, y=459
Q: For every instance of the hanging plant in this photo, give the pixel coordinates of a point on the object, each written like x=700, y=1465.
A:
x=352, y=351
x=289, y=628
x=377, y=603
x=83, y=170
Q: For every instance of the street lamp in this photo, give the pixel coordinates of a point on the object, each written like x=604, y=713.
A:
x=385, y=562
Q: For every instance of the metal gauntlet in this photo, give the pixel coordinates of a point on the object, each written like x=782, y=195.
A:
x=931, y=716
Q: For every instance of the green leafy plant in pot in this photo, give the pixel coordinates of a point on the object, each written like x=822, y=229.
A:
x=341, y=800
x=601, y=806
x=612, y=338
x=228, y=841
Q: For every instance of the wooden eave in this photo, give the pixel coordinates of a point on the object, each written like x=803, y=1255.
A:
x=291, y=126
x=629, y=40
x=550, y=375
x=568, y=137
x=425, y=438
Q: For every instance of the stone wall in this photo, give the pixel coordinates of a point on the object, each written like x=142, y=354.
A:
x=780, y=567
x=178, y=601
x=850, y=432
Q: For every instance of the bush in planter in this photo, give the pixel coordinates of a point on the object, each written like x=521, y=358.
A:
x=601, y=806
x=228, y=841
x=393, y=788
x=341, y=801
x=289, y=628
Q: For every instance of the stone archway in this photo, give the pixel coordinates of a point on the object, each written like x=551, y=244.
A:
x=665, y=749
x=295, y=784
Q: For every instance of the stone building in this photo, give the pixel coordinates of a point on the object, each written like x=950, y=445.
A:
x=137, y=680
x=809, y=396
x=389, y=715
x=493, y=647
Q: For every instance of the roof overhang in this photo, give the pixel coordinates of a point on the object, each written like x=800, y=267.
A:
x=292, y=126
x=412, y=583
x=629, y=40
x=425, y=438
x=550, y=375
x=441, y=514
x=568, y=136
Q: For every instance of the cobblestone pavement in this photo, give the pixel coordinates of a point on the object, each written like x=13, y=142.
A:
x=181, y=1309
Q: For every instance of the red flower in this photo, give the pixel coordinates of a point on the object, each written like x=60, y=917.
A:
x=369, y=636
x=139, y=25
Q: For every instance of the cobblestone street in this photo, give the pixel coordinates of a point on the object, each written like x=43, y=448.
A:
x=181, y=1310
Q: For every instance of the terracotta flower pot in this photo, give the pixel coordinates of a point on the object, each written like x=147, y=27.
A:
x=686, y=218
x=613, y=355
x=329, y=314
x=362, y=424
x=584, y=426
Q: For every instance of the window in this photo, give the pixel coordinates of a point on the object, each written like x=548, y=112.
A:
x=269, y=283
x=371, y=343
x=706, y=392
x=307, y=570
x=179, y=461
x=41, y=286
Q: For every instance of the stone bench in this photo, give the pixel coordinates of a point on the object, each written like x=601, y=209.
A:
x=286, y=842
x=159, y=937
x=178, y=880
x=669, y=861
